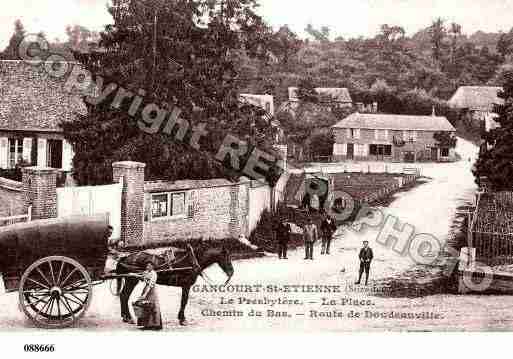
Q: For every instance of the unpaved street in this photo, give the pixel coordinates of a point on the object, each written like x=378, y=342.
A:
x=429, y=208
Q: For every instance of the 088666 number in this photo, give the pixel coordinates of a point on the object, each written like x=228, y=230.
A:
x=39, y=348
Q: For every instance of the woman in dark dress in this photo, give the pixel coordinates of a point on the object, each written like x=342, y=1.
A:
x=152, y=320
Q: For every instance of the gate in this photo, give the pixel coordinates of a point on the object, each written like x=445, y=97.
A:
x=92, y=200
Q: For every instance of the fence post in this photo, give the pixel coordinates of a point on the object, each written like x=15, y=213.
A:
x=40, y=186
x=132, y=200
x=29, y=214
x=469, y=231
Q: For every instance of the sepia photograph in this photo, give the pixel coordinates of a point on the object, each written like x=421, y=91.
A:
x=255, y=166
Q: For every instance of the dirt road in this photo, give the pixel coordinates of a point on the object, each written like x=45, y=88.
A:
x=429, y=208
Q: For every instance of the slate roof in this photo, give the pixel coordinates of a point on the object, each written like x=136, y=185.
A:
x=31, y=100
x=337, y=94
x=476, y=98
x=395, y=122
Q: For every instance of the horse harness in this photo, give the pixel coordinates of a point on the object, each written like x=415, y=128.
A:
x=167, y=266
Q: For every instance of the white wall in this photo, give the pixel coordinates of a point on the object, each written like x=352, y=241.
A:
x=91, y=200
x=259, y=200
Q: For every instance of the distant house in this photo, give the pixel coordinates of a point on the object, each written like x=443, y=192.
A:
x=391, y=138
x=32, y=104
x=477, y=104
x=265, y=102
x=336, y=96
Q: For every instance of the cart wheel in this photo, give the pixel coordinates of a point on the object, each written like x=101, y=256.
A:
x=55, y=292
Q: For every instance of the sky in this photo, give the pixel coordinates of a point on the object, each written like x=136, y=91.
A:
x=347, y=18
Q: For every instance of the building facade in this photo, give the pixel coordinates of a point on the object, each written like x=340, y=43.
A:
x=32, y=106
x=477, y=104
x=395, y=138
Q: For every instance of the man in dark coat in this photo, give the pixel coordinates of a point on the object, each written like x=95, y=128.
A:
x=283, y=236
x=328, y=227
x=366, y=257
x=310, y=235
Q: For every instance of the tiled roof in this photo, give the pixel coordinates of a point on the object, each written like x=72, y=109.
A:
x=476, y=98
x=31, y=100
x=395, y=122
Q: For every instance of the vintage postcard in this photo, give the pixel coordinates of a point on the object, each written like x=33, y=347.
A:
x=255, y=166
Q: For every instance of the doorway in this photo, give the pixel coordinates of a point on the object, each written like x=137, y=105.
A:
x=54, y=154
x=350, y=151
x=434, y=154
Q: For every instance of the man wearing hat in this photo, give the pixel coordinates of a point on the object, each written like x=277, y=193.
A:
x=311, y=235
x=366, y=257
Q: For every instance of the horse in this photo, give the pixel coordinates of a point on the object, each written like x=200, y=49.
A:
x=192, y=261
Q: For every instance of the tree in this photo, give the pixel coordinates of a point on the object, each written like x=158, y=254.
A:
x=80, y=37
x=11, y=51
x=505, y=44
x=438, y=32
x=321, y=144
x=455, y=33
x=496, y=156
x=285, y=44
x=306, y=91
x=391, y=33
x=445, y=139
x=322, y=34
x=188, y=66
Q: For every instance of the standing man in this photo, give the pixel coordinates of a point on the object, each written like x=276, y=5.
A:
x=283, y=236
x=328, y=227
x=311, y=236
x=366, y=257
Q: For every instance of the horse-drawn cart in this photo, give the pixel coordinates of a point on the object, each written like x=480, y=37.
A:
x=53, y=265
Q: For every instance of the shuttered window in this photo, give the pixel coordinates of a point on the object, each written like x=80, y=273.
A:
x=15, y=152
x=410, y=136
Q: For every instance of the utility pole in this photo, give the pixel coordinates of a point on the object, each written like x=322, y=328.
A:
x=154, y=47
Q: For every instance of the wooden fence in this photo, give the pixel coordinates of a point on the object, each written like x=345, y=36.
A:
x=493, y=248
x=490, y=228
x=7, y=221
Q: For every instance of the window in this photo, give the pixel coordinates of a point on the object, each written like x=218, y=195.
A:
x=353, y=133
x=381, y=134
x=380, y=150
x=410, y=136
x=15, y=151
x=339, y=149
x=165, y=205
x=444, y=152
x=360, y=150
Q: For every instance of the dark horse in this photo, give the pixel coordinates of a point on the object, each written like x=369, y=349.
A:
x=199, y=259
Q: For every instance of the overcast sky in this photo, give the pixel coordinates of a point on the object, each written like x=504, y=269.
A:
x=348, y=18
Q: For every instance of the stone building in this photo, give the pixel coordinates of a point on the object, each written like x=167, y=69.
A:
x=32, y=105
x=477, y=105
x=383, y=137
